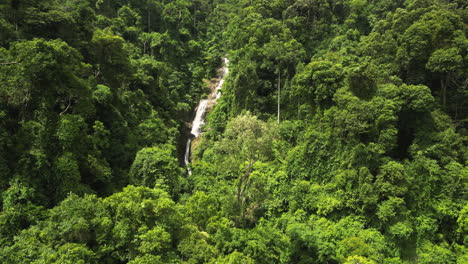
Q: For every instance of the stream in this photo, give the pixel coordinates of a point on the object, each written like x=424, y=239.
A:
x=201, y=110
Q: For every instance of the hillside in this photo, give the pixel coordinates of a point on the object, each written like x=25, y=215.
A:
x=339, y=133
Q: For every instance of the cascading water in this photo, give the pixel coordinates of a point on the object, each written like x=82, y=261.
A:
x=199, y=119
x=202, y=107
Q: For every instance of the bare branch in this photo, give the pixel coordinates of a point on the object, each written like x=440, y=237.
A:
x=9, y=63
x=68, y=106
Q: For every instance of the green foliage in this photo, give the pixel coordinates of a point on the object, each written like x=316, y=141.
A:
x=70, y=132
x=46, y=70
x=102, y=94
x=362, y=81
x=95, y=83
x=154, y=166
x=19, y=210
x=340, y=136
x=246, y=139
x=317, y=83
x=444, y=60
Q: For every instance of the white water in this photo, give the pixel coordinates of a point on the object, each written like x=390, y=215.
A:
x=202, y=107
x=187, y=156
x=199, y=119
x=225, y=71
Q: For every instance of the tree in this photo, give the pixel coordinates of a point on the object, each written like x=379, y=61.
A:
x=19, y=210
x=154, y=166
x=201, y=207
x=246, y=141
x=317, y=83
x=67, y=177
x=48, y=71
x=285, y=55
x=361, y=81
x=445, y=61
x=110, y=57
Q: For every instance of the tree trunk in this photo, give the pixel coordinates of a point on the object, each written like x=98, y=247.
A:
x=298, y=108
x=444, y=90
x=444, y=102
x=9, y=63
x=149, y=20
x=279, y=94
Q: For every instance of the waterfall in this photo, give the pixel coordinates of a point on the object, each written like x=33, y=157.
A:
x=187, y=156
x=199, y=119
x=224, y=72
x=200, y=114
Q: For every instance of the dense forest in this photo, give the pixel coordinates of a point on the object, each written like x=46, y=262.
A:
x=340, y=136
